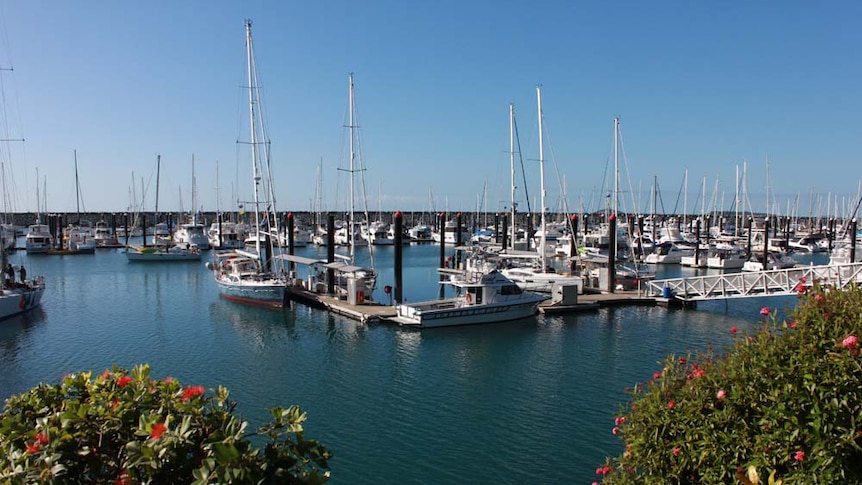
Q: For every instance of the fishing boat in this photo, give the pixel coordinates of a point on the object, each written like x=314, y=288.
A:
x=249, y=276
x=21, y=296
x=488, y=298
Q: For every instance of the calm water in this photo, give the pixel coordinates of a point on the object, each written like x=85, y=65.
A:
x=530, y=401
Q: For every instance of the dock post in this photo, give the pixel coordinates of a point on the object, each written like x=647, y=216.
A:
x=765, y=243
x=641, y=236
x=398, y=261
x=459, y=225
x=497, y=228
x=749, y=225
x=573, y=247
x=531, y=231
x=697, y=242
x=612, y=253
x=505, y=232
x=830, y=233
x=787, y=233
x=144, y=226
x=853, y=241
x=442, y=225
x=291, y=267
x=126, y=227
x=330, y=253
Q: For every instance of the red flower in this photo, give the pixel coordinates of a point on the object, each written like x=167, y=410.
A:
x=698, y=373
x=192, y=391
x=765, y=311
x=721, y=394
x=41, y=438
x=620, y=420
x=122, y=479
x=800, y=288
x=792, y=324
x=803, y=279
x=733, y=329
x=33, y=448
x=656, y=376
x=818, y=298
x=615, y=431
x=124, y=381
x=799, y=455
x=157, y=431
x=682, y=360
x=849, y=342
x=671, y=404
x=676, y=451
x=603, y=470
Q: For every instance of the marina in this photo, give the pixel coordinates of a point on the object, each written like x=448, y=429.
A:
x=395, y=404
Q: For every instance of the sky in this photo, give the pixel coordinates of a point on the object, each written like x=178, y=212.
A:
x=705, y=92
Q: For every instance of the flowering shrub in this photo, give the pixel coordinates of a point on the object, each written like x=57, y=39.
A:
x=126, y=428
x=785, y=401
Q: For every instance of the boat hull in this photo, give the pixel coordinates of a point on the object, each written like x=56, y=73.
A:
x=448, y=313
x=19, y=300
x=160, y=256
x=268, y=294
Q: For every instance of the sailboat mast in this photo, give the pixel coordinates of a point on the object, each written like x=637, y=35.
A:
x=616, y=163
x=350, y=233
x=77, y=187
x=542, y=240
x=253, y=132
x=512, y=166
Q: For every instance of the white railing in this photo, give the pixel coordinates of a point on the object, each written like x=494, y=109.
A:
x=755, y=284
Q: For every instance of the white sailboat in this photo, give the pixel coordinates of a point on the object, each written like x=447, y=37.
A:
x=244, y=276
x=356, y=282
x=539, y=276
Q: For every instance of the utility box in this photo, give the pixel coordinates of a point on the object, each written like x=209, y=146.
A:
x=564, y=294
x=604, y=276
x=355, y=291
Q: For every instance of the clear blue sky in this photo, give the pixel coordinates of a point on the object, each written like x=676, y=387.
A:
x=702, y=86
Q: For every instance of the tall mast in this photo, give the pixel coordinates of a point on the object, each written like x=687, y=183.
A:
x=350, y=233
x=616, y=163
x=253, y=127
x=512, y=166
x=542, y=240
x=685, y=227
x=77, y=187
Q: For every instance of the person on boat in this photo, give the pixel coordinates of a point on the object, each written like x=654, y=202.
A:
x=22, y=273
x=9, y=275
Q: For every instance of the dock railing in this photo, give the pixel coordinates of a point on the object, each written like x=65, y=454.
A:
x=757, y=283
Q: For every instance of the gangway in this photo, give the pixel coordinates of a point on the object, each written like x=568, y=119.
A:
x=779, y=282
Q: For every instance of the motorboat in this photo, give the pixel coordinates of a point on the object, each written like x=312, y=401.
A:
x=483, y=298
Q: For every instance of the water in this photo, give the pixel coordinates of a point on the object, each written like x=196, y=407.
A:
x=529, y=401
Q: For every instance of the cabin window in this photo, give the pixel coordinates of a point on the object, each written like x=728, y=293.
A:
x=476, y=294
x=510, y=290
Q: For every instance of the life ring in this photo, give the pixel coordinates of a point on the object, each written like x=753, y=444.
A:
x=23, y=303
x=468, y=298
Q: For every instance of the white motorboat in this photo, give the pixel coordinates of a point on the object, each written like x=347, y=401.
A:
x=667, y=253
x=38, y=239
x=488, y=298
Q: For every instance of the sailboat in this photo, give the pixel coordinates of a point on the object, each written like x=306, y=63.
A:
x=244, y=276
x=355, y=281
x=21, y=296
x=162, y=250
x=193, y=232
x=79, y=238
x=540, y=277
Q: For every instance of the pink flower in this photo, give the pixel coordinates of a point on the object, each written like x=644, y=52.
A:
x=792, y=324
x=733, y=329
x=615, y=431
x=721, y=394
x=800, y=288
x=765, y=311
x=676, y=451
x=682, y=360
x=192, y=391
x=656, y=376
x=799, y=455
x=671, y=404
x=818, y=298
x=603, y=470
x=124, y=381
x=849, y=342
x=803, y=279
x=620, y=420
